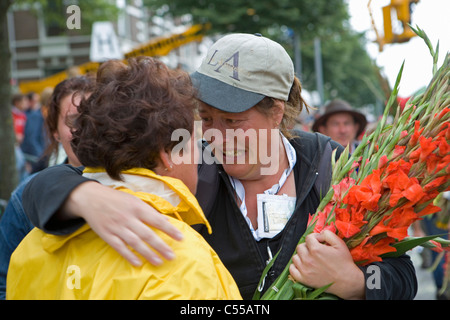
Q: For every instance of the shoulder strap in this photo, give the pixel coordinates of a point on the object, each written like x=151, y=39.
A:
x=208, y=179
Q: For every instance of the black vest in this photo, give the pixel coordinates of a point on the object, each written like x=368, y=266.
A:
x=243, y=256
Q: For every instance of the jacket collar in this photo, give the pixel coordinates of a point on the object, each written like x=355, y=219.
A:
x=168, y=195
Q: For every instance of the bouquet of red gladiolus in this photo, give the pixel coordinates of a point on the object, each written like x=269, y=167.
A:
x=389, y=182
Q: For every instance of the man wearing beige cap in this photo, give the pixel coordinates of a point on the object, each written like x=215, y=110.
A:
x=341, y=123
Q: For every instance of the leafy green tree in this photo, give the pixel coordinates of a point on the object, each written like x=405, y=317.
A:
x=55, y=15
x=348, y=71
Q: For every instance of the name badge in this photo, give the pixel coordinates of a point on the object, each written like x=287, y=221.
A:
x=274, y=212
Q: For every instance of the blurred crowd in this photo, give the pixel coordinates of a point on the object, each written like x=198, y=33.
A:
x=29, y=111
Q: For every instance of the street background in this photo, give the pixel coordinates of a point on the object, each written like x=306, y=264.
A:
x=426, y=286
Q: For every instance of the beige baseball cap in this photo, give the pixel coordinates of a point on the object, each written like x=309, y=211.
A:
x=240, y=69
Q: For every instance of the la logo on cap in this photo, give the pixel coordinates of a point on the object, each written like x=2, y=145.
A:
x=235, y=65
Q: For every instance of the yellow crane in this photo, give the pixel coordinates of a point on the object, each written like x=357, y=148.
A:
x=402, y=10
x=156, y=47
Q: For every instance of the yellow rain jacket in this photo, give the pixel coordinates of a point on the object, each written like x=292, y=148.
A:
x=82, y=266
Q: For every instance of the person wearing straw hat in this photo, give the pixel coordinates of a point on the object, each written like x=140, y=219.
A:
x=341, y=123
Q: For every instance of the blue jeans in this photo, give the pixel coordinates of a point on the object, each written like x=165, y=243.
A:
x=14, y=226
x=20, y=164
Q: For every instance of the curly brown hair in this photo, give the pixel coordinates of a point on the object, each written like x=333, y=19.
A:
x=130, y=116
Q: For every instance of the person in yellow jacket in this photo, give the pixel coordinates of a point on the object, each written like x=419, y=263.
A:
x=123, y=136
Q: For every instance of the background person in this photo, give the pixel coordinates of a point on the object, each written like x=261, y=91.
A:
x=35, y=140
x=123, y=135
x=341, y=123
x=44, y=159
x=14, y=224
x=19, y=107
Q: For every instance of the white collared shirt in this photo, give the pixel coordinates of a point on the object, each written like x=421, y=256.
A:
x=240, y=191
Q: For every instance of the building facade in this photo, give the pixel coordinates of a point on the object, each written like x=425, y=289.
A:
x=39, y=49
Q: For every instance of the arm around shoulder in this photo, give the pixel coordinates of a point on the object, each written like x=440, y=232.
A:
x=46, y=194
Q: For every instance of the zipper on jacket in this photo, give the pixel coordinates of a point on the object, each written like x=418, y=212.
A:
x=269, y=253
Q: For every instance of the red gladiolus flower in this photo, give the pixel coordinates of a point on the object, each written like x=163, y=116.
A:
x=397, y=233
x=433, y=161
x=400, y=165
x=410, y=168
x=349, y=221
x=367, y=252
x=346, y=229
x=414, y=193
x=444, y=147
x=444, y=130
x=403, y=134
x=341, y=188
x=435, y=183
x=430, y=209
x=383, y=160
x=444, y=164
x=443, y=112
x=367, y=193
x=430, y=195
x=398, y=151
x=437, y=247
x=428, y=146
x=396, y=224
x=321, y=220
x=401, y=185
x=417, y=133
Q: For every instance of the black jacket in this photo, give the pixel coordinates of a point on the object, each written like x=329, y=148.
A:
x=244, y=257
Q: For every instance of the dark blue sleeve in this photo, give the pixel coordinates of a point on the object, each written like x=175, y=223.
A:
x=44, y=195
x=14, y=226
x=391, y=279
